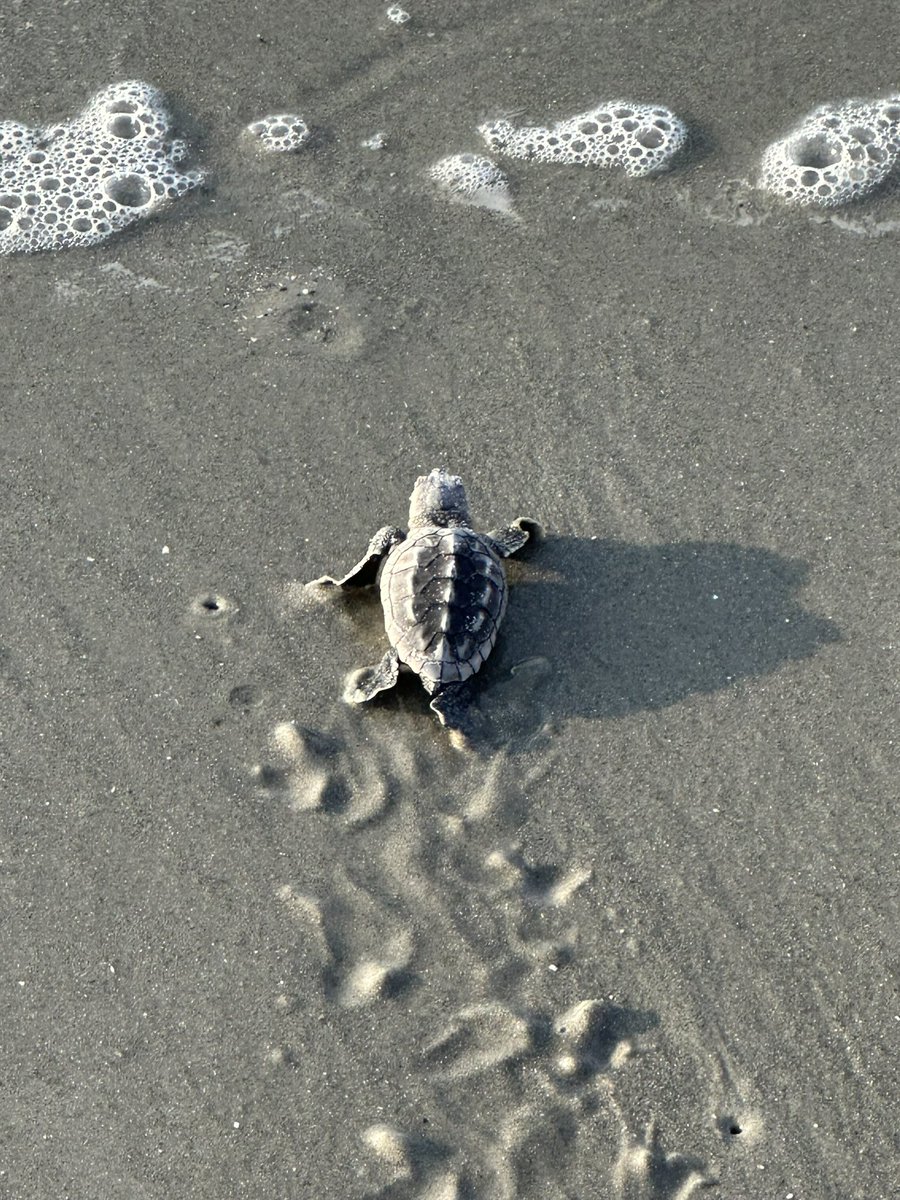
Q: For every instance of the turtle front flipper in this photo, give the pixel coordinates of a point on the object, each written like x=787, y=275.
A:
x=366, y=683
x=511, y=539
x=366, y=570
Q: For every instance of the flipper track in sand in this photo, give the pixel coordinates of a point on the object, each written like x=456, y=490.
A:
x=643, y=1171
x=344, y=926
x=506, y=1086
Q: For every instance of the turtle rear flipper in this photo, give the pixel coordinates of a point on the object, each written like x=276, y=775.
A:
x=365, y=572
x=460, y=716
x=366, y=683
x=453, y=706
x=511, y=539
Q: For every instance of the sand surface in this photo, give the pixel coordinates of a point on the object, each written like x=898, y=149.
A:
x=258, y=944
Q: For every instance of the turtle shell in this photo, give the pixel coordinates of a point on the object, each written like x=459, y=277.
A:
x=444, y=596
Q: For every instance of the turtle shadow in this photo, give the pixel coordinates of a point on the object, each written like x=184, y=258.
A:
x=627, y=628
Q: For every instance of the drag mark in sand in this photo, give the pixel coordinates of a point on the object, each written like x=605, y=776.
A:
x=644, y=1171
x=478, y=1038
x=587, y=1040
x=319, y=771
x=426, y=882
x=364, y=956
x=542, y=887
x=590, y=1040
x=300, y=770
x=417, y=1166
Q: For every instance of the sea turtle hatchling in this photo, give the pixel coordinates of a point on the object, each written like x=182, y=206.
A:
x=443, y=590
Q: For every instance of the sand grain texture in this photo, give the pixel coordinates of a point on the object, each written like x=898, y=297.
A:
x=258, y=944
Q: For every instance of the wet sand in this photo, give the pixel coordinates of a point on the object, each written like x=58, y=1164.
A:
x=256, y=943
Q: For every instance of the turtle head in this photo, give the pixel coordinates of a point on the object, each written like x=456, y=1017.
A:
x=438, y=499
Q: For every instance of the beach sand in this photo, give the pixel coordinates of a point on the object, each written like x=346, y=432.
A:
x=257, y=943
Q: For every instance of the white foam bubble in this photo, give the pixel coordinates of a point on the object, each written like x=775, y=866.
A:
x=280, y=132
x=473, y=179
x=76, y=183
x=398, y=15
x=639, y=138
x=837, y=153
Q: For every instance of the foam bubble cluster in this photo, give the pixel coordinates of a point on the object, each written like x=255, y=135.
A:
x=472, y=179
x=75, y=184
x=637, y=137
x=397, y=14
x=280, y=132
x=838, y=153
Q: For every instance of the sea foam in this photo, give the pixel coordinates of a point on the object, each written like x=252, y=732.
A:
x=473, y=179
x=76, y=183
x=838, y=153
x=639, y=138
x=280, y=132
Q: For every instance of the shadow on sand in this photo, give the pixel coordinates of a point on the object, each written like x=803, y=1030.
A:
x=603, y=629
x=628, y=627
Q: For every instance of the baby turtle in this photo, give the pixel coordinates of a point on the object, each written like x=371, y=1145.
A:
x=443, y=590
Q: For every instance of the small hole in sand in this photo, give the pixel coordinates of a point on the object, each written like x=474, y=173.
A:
x=211, y=605
x=731, y=1127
